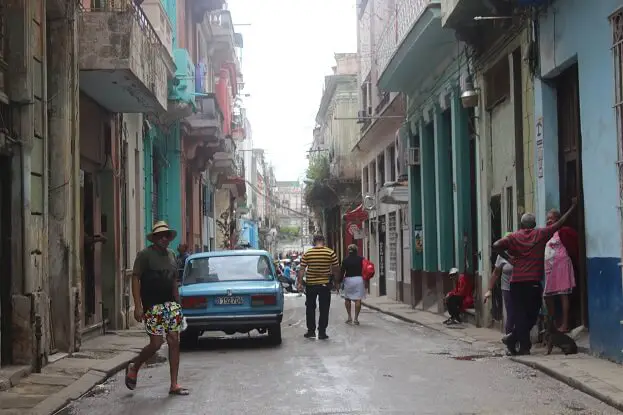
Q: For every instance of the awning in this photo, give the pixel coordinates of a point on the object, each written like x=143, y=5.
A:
x=359, y=214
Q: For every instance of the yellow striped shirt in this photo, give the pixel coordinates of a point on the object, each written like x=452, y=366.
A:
x=318, y=262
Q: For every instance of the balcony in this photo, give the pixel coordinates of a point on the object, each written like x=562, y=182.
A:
x=201, y=7
x=124, y=65
x=223, y=40
x=206, y=122
x=412, y=44
x=183, y=86
x=458, y=14
x=159, y=20
x=224, y=157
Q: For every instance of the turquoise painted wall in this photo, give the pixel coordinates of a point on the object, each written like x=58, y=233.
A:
x=415, y=202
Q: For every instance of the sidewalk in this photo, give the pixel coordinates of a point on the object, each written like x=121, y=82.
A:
x=66, y=378
x=596, y=377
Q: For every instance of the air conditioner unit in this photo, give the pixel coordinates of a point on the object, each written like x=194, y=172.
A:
x=414, y=156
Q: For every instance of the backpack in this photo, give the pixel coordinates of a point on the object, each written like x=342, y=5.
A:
x=367, y=269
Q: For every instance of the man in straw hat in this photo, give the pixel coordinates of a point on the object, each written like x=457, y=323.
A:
x=157, y=304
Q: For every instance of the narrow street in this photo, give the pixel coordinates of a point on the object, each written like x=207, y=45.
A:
x=383, y=366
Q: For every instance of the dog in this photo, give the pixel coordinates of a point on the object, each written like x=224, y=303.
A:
x=554, y=338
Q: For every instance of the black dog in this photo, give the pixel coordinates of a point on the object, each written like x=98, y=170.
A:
x=553, y=337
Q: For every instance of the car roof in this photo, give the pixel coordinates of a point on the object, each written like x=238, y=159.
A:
x=235, y=252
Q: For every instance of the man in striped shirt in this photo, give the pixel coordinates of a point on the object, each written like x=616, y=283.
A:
x=525, y=250
x=318, y=264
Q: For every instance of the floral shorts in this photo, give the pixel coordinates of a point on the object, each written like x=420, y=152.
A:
x=164, y=318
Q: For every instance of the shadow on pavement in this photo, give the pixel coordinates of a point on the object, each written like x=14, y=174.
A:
x=224, y=343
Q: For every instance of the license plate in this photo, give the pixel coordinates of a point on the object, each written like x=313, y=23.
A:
x=228, y=300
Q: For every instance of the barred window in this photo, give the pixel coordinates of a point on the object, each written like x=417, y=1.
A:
x=616, y=20
x=393, y=242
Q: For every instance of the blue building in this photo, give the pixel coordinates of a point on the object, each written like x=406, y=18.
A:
x=579, y=151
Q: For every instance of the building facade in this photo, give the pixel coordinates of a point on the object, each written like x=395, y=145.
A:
x=336, y=188
x=502, y=116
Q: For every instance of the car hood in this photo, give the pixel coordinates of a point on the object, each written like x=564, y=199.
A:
x=236, y=287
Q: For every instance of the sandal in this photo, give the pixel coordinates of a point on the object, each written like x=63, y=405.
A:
x=131, y=376
x=179, y=391
x=349, y=321
x=356, y=322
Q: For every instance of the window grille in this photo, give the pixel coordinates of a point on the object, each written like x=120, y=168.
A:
x=616, y=20
x=393, y=242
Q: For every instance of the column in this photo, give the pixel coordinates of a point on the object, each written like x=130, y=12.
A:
x=172, y=185
x=445, y=205
x=462, y=181
x=546, y=133
x=148, y=169
x=429, y=201
x=64, y=224
x=415, y=199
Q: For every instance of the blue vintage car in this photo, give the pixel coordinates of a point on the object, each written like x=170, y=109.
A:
x=231, y=291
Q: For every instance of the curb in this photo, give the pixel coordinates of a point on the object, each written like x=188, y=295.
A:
x=95, y=376
x=467, y=340
x=574, y=383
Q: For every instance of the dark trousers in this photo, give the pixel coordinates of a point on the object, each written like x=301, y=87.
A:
x=322, y=293
x=526, y=300
x=510, y=313
x=454, y=303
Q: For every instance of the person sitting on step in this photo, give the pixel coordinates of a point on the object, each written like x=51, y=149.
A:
x=460, y=298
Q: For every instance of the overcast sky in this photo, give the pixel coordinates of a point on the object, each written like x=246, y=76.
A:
x=288, y=48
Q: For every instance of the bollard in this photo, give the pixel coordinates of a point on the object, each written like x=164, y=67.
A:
x=38, y=335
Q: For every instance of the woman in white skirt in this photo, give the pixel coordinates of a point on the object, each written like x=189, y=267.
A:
x=353, y=285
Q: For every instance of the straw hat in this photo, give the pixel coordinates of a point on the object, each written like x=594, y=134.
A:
x=161, y=227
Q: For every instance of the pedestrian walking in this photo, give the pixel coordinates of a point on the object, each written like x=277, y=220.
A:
x=318, y=265
x=353, y=285
x=525, y=250
x=157, y=304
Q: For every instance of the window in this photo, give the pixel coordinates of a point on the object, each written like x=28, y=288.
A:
x=228, y=268
x=393, y=242
x=392, y=163
x=381, y=172
x=616, y=20
x=364, y=180
x=510, y=217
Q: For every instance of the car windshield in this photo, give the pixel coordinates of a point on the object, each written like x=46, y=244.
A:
x=228, y=268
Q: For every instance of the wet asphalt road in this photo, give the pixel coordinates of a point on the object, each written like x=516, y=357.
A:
x=383, y=366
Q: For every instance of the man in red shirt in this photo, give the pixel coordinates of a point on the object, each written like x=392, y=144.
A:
x=460, y=298
x=525, y=250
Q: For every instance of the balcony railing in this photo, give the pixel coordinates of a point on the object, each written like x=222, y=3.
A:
x=124, y=64
x=397, y=28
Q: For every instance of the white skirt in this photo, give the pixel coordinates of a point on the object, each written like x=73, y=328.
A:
x=353, y=288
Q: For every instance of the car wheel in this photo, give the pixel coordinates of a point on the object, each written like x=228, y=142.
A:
x=189, y=338
x=274, y=334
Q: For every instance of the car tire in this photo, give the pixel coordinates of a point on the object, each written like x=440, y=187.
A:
x=274, y=334
x=189, y=338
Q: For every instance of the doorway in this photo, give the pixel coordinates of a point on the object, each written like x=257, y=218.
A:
x=570, y=176
x=88, y=249
x=5, y=260
x=495, y=206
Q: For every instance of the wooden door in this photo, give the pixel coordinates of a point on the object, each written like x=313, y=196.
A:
x=570, y=176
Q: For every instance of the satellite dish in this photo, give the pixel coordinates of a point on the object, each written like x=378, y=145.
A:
x=369, y=202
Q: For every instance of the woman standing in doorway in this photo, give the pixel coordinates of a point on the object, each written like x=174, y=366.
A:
x=560, y=253
x=353, y=288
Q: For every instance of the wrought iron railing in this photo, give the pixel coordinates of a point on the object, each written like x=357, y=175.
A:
x=403, y=18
